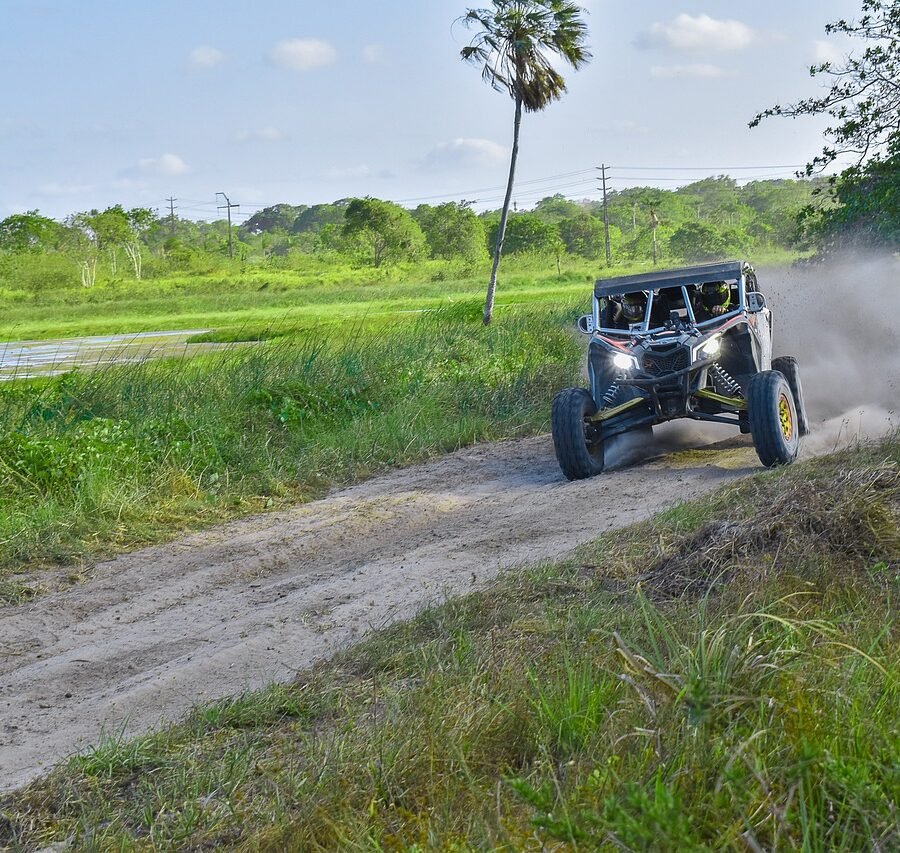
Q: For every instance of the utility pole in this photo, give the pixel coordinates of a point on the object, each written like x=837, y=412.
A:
x=172, y=215
x=605, y=214
x=227, y=206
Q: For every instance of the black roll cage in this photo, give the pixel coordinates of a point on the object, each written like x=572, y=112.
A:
x=736, y=272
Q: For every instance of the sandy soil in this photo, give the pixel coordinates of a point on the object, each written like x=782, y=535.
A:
x=154, y=632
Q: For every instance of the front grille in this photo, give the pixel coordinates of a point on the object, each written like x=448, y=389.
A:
x=659, y=364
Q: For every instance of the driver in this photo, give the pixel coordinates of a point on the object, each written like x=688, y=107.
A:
x=634, y=306
x=713, y=299
x=629, y=310
x=622, y=312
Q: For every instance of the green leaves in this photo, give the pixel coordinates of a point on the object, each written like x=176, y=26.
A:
x=387, y=232
x=515, y=42
x=862, y=100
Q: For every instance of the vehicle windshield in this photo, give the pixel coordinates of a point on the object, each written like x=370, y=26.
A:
x=665, y=308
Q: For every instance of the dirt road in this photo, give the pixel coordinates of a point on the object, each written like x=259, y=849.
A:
x=155, y=632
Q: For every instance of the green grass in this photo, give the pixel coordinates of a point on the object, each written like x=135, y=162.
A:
x=266, y=296
x=751, y=703
x=242, y=296
x=116, y=457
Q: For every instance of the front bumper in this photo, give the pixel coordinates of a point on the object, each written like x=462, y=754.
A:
x=669, y=397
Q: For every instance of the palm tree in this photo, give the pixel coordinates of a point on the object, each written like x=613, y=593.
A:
x=513, y=47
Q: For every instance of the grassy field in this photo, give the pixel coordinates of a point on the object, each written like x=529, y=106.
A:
x=724, y=676
x=238, y=297
x=109, y=459
x=265, y=296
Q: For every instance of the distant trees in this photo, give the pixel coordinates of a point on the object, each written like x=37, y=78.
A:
x=277, y=217
x=702, y=241
x=703, y=220
x=556, y=208
x=527, y=232
x=513, y=46
x=29, y=232
x=113, y=229
x=452, y=231
x=386, y=231
x=583, y=234
x=318, y=216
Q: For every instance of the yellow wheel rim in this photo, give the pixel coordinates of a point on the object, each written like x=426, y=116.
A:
x=785, y=418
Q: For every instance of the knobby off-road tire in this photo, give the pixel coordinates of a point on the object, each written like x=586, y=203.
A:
x=579, y=449
x=788, y=366
x=773, y=419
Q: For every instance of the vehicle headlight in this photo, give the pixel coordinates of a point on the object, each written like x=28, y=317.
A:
x=624, y=362
x=711, y=347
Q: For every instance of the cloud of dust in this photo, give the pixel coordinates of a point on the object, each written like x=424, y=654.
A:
x=841, y=321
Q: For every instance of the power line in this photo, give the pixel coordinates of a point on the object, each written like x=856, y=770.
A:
x=547, y=185
x=692, y=178
x=705, y=168
x=464, y=193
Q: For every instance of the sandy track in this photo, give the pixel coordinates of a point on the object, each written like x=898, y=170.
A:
x=154, y=632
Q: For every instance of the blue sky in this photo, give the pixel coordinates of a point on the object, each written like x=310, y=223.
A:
x=306, y=102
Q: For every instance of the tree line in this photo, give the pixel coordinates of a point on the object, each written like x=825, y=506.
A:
x=704, y=220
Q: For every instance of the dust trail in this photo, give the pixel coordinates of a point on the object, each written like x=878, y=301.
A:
x=625, y=450
x=840, y=320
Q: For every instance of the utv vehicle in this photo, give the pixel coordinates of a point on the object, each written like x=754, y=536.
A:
x=678, y=359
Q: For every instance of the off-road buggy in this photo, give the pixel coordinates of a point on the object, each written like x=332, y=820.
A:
x=677, y=361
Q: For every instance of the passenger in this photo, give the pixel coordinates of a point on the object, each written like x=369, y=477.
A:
x=713, y=299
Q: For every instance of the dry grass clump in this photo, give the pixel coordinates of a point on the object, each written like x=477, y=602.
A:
x=849, y=514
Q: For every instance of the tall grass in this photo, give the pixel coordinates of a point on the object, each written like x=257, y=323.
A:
x=116, y=455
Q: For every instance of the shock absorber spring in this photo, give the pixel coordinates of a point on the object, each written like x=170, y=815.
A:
x=610, y=396
x=724, y=382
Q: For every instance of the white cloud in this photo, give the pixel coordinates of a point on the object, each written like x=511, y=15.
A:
x=205, y=57
x=826, y=51
x=374, y=54
x=302, y=54
x=700, y=33
x=466, y=152
x=262, y=134
x=696, y=71
x=166, y=165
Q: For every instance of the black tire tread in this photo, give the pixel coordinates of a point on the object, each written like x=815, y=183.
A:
x=763, y=392
x=569, y=408
x=787, y=365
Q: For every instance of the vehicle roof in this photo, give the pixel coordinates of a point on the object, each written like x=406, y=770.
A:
x=728, y=271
